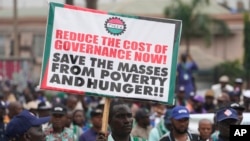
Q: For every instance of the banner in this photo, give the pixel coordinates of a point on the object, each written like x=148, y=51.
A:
x=107, y=54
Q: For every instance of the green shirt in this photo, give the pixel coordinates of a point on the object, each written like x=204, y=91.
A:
x=65, y=135
x=158, y=131
x=110, y=138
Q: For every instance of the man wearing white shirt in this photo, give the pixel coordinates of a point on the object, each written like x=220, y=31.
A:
x=222, y=86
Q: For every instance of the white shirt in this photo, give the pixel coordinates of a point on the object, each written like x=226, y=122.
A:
x=217, y=89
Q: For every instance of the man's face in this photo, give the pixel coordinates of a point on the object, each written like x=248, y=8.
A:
x=209, y=99
x=181, y=125
x=205, y=130
x=160, y=109
x=181, y=95
x=144, y=122
x=58, y=120
x=224, y=126
x=71, y=103
x=221, y=102
x=197, y=105
x=36, y=134
x=79, y=117
x=121, y=120
x=97, y=121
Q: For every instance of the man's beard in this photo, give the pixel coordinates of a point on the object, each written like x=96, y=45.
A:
x=179, y=131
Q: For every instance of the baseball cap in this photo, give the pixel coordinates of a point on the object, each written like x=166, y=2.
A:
x=44, y=105
x=237, y=106
x=59, y=109
x=246, y=93
x=181, y=89
x=179, y=112
x=224, y=78
x=31, y=105
x=226, y=113
x=238, y=80
x=209, y=93
x=22, y=123
x=199, y=98
x=141, y=113
x=96, y=112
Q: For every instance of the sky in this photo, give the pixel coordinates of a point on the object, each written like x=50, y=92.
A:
x=43, y=3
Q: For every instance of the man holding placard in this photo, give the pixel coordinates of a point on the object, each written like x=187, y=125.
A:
x=120, y=122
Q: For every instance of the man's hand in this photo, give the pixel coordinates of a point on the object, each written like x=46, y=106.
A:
x=102, y=137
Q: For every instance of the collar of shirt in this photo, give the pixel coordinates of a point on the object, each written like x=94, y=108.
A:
x=110, y=138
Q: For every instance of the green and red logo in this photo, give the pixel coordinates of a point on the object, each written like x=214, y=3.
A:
x=115, y=26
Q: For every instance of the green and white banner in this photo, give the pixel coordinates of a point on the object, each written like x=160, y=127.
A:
x=109, y=54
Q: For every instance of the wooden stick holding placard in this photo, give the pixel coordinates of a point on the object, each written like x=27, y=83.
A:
x=105, y=115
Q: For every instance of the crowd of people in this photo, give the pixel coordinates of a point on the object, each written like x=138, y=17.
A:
x=30, y=114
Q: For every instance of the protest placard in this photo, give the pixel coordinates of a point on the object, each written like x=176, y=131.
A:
x=112, y=55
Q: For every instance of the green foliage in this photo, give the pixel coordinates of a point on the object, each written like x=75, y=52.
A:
x=194, y=22
x=233, y=69
x=246, y=61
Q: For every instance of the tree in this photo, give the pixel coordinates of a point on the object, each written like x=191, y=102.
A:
x=194, y=22
x=92, y=4
x=71, y=2
x=246, y=60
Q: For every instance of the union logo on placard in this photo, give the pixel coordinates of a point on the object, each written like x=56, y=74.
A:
x=115, y=26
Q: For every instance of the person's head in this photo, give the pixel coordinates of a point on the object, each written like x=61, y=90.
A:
x=198, y=101
x=184, y=57
x=167, y=121
x=14, y=108
x=239, y=109
x=26, y=127
x=44, y=108
x=209, y=96
x=223, y=80
x=71, y=102
x=238, y=83
x=79, y=117
x=58, y=116
x=223, y=100
x=142, y=117
x=181, y=93
x=234, y=96
x=120, y=119
x=205, y=128
x=224, y=118
x=180, y=119
x=96, y=118
x=159, y=109
x=38, y=92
